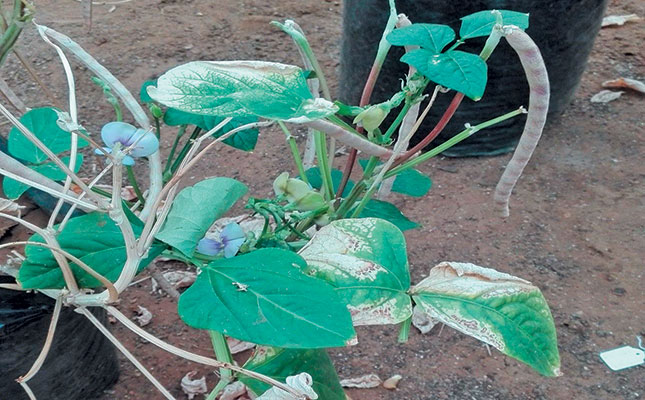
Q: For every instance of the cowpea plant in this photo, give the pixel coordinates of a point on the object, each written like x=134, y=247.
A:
x=325, y=253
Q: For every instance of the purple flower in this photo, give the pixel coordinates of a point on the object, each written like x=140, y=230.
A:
x=231, y=239
x=145, y=142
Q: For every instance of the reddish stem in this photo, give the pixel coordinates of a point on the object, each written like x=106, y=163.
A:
x=365, y=99
x=445, y=118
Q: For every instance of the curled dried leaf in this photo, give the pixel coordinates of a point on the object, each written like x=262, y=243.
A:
x=238, y=346
x=362, y=382
x=301, y=383
x=234, y=391
x=619, y=20
x=144, y=316
x=178, y=279
x=605, y=96
x=422, y=321
x=626, y=83
x=193, y=387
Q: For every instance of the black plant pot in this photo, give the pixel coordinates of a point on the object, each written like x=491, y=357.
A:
x=563, y=29
x=81, y=364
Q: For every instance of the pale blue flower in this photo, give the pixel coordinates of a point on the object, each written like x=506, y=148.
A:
x=126, y=134
x=231, y=239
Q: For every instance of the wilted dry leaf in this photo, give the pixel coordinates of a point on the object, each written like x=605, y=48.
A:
x=625, y=83
x=178, y=279
x=193, y=387
x=392, y=382
x=422, y=321
x=362, y=382
x=614, y=20
x=233, y=391
x=238, y=346
x=301, y=383
x=144, y=316
x=605, y=96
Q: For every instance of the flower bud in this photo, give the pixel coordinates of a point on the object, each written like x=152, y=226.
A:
x=372, y=118
x=156, y=111
x=280, y=184
x=310, y=202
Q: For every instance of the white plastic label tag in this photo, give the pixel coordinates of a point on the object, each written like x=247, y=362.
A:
x=623, y=357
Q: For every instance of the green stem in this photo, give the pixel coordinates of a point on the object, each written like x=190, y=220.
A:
x=157, y=128
x=184, y=150
x=117, y=110
x=455, y=45
x=180, y=133
x=364, y=201
x=325, y=172
x=176, y=255
x=222, y=353
x=399, y=118
x=302, y=42
x=357, y=190
x=293, y=146
x=18, y=19
x=135, y=185
x=8, y=39
x=367, y=174
x=451, y=142
x=404, y=332
x=102, y=192
x=369, y=168
x=353, y=195
x=491, y=44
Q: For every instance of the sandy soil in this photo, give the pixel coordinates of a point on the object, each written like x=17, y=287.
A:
x=577, y=225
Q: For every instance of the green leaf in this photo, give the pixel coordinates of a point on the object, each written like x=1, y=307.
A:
x=244, y=140
x=366, y=261
x=263, y=297
x=431, y=37
x=409, y=182
x=143, y=93
x=506, y=312
x=389, y=212
x=280, y=363
x=95, y=239
x=238, y=88
x=14, y=189
x=412, y=183
x=315, y=180
x=42, y=123
x=196, y=208
x=481, y=23
x=457, y=70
